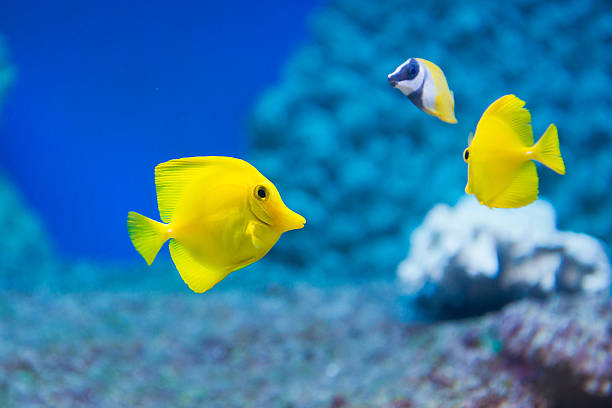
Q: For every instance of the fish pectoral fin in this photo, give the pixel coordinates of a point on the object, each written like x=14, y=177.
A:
x=198, y=277
x=251, y=232
x=522, y=190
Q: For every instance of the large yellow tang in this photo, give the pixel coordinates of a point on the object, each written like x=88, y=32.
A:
x=220, y=213
x=501, y=172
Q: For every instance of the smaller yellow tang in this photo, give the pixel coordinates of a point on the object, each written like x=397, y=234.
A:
x=219, y=213
x=501, y=171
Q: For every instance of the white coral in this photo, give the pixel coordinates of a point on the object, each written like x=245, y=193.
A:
x=521, y=247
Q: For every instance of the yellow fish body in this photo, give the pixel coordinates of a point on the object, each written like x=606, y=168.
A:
x=501, y=171
x=220, y=214
x=424, y=83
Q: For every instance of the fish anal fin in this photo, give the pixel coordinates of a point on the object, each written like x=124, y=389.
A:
x=522, y=190
x=511, y=111
x=198, y=277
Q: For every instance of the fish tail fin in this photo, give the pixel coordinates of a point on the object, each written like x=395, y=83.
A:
x=547, y=152
x=147, y=235
x=449, y=114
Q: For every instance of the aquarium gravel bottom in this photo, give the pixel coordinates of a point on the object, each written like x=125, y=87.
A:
x=300, y=347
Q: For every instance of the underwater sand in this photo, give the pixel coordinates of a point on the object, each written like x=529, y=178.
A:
x=299, y=347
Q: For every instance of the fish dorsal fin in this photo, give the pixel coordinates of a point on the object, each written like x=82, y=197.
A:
x=510, y=109
x=174, y=176
x=171, y=178
x=522, y=190
x=198, y=277
x=438, y=77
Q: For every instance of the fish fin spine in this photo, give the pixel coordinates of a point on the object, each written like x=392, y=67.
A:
x=198, y=277
x=547, y=152
x=147, y=235
x=171, y=179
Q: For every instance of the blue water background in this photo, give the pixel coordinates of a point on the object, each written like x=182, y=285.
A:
x=107, y=90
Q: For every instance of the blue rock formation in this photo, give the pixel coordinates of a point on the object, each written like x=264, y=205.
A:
x=26, y=257
x=363, y=165
x=27, y=260
x=7, y=73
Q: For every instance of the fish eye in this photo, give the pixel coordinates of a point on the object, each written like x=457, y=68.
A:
x=466, y=155
x=412, y=69
x=261, y=193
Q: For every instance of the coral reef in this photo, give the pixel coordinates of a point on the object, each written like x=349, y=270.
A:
x=569, y=341
x=364, y=165
x=298, y=347
x=301, y=347
x=470, y=259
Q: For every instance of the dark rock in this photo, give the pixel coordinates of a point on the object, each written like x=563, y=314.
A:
x=338, y=402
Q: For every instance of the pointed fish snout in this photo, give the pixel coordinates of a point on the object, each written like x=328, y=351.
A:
x=292, y=220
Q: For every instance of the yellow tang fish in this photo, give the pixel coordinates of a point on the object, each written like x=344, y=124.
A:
x=424, y=83
x=501, y=172
x=220, y=214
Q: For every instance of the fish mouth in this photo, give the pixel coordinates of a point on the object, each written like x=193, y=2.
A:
x=292, y=221
x=260, y=219
x=281, y=219
x=392, y=81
